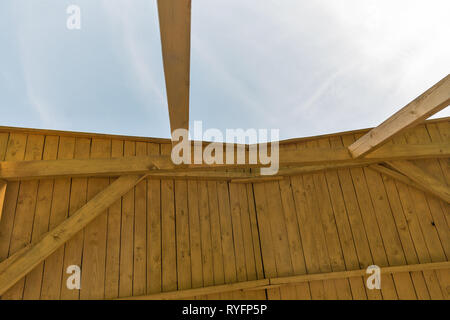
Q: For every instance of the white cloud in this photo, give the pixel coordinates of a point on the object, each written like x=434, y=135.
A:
x=322, y=66
x=126, y=15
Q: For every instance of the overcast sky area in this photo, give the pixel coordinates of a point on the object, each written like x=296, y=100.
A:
x=304, y=67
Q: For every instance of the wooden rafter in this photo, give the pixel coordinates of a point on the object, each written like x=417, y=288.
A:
x=431, y=101
x=175, y=28
x=302, y=160
x=286, y=281
x=422, y=178
x=395, y=174
x=3, y=185
x=20, y=264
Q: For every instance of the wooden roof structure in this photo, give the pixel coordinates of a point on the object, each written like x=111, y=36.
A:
x=141, y=227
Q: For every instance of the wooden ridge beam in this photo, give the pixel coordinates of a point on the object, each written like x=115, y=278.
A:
x=422, y=178
x=20, y=264
x=431, y=101
x=291, y=162
x=271, y=283
x=175, y=28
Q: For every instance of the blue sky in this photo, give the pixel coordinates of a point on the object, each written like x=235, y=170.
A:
x=305, y=67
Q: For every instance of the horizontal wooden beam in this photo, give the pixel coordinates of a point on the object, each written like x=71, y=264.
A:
x=431, y=101
x=271, y=283
x=36, y=169
x=291, y=162
x=257, y=179
x=324, y=156
x=3, y=185
x=20, y=264
x=422, y=178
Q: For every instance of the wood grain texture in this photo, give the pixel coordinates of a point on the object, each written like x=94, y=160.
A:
x=3, y=185
x=65, y=231
x=170, y=236
x=431, y=101
x=175, y=28
x=423, y=179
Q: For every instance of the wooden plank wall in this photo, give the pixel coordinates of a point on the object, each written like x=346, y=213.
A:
x=167, y=235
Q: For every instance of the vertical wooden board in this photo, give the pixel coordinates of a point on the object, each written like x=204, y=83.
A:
x=356, y=223
x=440, y=132
x=437, y=136
x=26, y=202
x=15, y=151
x=112, y=269
x=252, y=254
x=388, y=230
x=308, y=212
x=33, y=280
x=195, y=235
x=279, y=237
x=313, y=211
x=73, y=251
x=278, y=229
x=405, y=237
x=229, y=260
x=423, y=232
x=293, y=234
x=4, y=137
x=229, y=257
x=182, y=236
x=140, y=231
x=238, y=236
x=343, y=227
x=267, y=245
x=307, y=236
x=255, y=232
x=25, y=210
x=249, y=255
x=216, y=241
x=94, y=249
x=437, y=208
x=371, y=226
x=3, y=185
x=153, y=229
x=443, y=129
x=330, y=228
x=440, y=169
x=205, y=235
x=319, y=235
x=169, y=250
x=389, y=233
x=127, y=235
x=432, y=220
x=394, y=249
x=412, y=219
x=53, y=265
x=238, y=240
